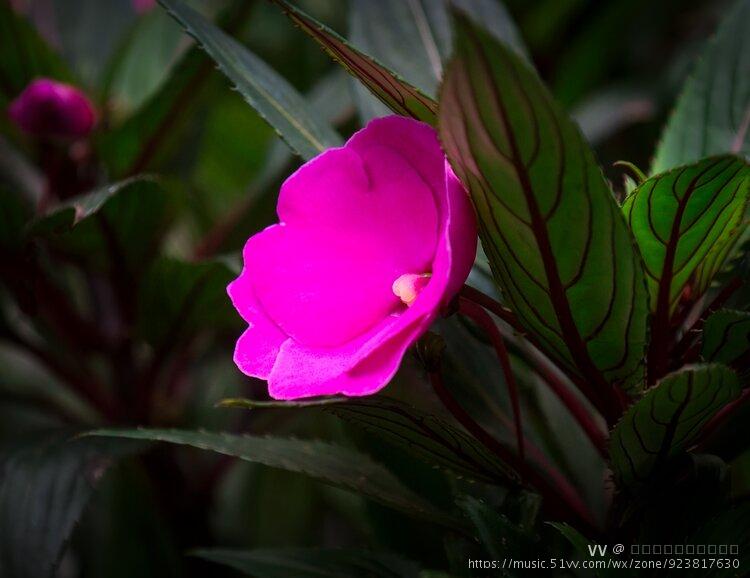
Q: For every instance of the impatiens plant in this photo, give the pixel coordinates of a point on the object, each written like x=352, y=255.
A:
x=509, y=357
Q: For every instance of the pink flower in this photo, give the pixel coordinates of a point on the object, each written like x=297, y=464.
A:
x=374, y=239
x=47, y=108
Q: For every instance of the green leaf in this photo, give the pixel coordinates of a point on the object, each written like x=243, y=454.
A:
x=726, y=338
x=143, y=61
x=45, y=483
x=713, y=112
x=425, y=436
x=664, y=422
x=74, y=24
x=556, y=240
x=686, y=222
x=334, y=465
x=128, y=217
x=312, y=563
x=176, y=298
x=262, y=87
x=26, y=55
x=413, y=39
x=497, y=533
x=156, y=125
x=397, y=94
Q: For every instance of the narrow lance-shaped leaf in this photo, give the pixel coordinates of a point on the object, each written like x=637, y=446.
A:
x=558, y=245
x=712, y=115
x=667, y=419
x=726, y=338
x=397, y=94
x=45, y=484
x=684, y=222
x=131, y=215
x=413, y=39
x=425, y=436
x=261, y=86
x=335, y=465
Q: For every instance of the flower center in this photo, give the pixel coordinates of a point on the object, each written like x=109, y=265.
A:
x=408, y=286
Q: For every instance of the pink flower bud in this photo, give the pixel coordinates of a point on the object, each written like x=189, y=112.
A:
x=143, y=6
x=374, y=239
x=50, y=109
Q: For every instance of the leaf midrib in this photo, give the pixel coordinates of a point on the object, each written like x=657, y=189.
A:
x=660, y=326
x=572, y=336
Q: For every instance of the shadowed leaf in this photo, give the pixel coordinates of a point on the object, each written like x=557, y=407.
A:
x=128, y=217
x=498, y=534
x=176, y=298
x=334, y=465
x=45, y=484
x=413, y=39
x=397, y=94
x=712, y=115
x=262, y=87
x=726, y=338
x=667, y=419
x=26, y=55
x=425, y=436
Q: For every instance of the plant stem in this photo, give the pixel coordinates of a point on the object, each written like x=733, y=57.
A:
x=540, y=362
x=481, y=318
x=606, y=402
x=578, y=411
x=557, y=491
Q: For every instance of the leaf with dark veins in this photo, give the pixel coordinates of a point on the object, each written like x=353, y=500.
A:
x=726, y=338
x=559, y=247
x=667, y=419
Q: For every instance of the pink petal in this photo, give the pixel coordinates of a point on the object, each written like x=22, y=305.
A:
x=349, y=230
x=47, y=108
x=258, y=347
x=354, y=220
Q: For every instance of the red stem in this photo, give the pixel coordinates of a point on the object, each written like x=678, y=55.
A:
x=596, y=435
x=481, y=318
x=609, y=408
x=494, y=307
x=579, y=412
x=557, y=491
